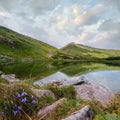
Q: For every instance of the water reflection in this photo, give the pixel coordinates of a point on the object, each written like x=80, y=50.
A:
x=103, y=74
x=31, y=71
x=109, y=79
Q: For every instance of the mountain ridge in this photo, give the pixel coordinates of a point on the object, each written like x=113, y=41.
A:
x=83, y=50
x=18, y=46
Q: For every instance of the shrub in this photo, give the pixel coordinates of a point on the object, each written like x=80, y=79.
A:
x=68, y=92
x=107, y=117
x=114, y=105
x=64, y=109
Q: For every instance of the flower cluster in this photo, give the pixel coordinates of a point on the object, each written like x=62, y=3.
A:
x=18, y=102
x=16, y=109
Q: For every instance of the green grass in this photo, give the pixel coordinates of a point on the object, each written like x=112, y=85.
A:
x=14, y=45
x=107, y=117
x=60, y=92
x=89, y=53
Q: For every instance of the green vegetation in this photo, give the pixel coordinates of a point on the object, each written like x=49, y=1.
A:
x=101, y=113
x=30, y=70
x=17, y=47
x=20, y=47
x=19, y=103
x=89, y=53
x=69, y=106
x=79, y=68
x=107, y=117
x=60, y=92
x=112, y=112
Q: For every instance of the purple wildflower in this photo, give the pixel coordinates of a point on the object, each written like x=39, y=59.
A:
x=24, y=100
x=23, y=94
x=19, y=108
x=3, y=113
x=15, y=106
x=34, y=102
x=19, y=96
x=15, y=112
x=32, y=96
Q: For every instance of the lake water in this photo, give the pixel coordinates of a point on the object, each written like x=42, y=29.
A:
x=102, y=74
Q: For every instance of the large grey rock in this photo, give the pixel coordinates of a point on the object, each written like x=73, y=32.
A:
x=61, y=81
x=10, y=78
x=85, y=113
x=43, y=93
x=92, y=91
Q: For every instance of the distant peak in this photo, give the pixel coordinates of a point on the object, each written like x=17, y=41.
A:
x=72, y=42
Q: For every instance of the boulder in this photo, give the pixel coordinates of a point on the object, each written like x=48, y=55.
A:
x=49, y=109
x=92, y=91
x=55, y=82
x=43, y=93
x=85, y=113
x=10, y=78
x=61, y=81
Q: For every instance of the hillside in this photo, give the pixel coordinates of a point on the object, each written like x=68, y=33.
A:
x=20, y=47
x=82, y=51
x=15, y=45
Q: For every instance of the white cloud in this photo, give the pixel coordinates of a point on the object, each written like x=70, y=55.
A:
x=77, y=9
x=107, y=40
x=9, y=5
x=61, y=22
x=110, y=25
x=42, y=6
x=114, y=3
x=88, y=17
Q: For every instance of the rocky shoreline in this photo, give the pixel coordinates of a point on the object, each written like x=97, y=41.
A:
x=84, y=89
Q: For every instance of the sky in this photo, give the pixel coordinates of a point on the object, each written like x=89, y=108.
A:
x=93, y=23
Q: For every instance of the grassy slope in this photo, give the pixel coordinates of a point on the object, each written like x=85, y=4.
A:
x=89, y=52
x=20, y=46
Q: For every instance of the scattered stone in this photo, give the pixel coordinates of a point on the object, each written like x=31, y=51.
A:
x=85, y=113
x=62, y=82
x=10, y=78
x=43, y=93
x=49, y=109
x=55, y=82
x=40, y=83
x=80, y=83
x=76, y=81
x=92, y=91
